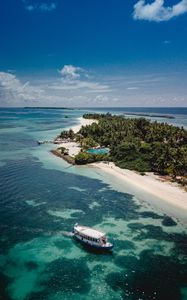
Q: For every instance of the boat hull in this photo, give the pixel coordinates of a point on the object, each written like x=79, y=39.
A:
x=87, y=244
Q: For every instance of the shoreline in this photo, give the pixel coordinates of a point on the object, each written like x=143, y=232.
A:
x=168, y=192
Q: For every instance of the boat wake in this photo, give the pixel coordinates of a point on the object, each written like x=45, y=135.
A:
x=67, y=233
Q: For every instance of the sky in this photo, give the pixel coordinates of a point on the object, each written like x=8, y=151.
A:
x=93, y=53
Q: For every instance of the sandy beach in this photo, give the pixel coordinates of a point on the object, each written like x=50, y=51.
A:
x=82, y=122
x=170, y=192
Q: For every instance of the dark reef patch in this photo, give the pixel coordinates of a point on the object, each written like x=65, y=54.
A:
x=65, y=245
x=150, y=277
x=30, y=265
x=67, y=275
x=168, y=221
x=179, y=240
x=150, y=214
x=126, y=261
x=126, y=245
x=148, y=232
x=136, y=226
x=4, y=281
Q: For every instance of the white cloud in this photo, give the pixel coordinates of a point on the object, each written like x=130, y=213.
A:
x=131, y=88
x=156, y=11
x=135, y=90
x=70, y=85
x=78, y=84
x=43, y=7
x=100, y=99
x=11, y=89
x=74, y=78
x=71, y=72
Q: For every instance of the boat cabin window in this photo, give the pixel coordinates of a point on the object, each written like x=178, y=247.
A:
x=103, y=239
x=90, y=238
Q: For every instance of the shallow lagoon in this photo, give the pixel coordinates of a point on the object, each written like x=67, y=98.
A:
x=41, y=197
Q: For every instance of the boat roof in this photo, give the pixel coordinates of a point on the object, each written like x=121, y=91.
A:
x=90, y=232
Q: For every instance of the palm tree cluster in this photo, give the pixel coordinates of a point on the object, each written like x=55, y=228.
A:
x=140, y=144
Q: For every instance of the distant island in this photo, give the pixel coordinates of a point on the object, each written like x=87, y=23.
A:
x=47, y=107
x=154, y=115
x=135, y=143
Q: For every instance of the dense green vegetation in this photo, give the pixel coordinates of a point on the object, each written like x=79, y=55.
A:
x=87, y=142
x=85, y=158
x=138, y=143
x=67, y=134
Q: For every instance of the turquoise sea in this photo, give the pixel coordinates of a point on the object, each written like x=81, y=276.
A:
x=41, y=197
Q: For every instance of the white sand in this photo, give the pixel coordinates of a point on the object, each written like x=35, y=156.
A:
x=169, y=192
x=73, y=147
x=83, y=122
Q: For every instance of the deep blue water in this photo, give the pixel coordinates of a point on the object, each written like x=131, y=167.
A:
x=41, y=197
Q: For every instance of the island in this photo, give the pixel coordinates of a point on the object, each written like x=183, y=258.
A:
x=48, y=107
x=148, y=156
x=136, y=144
x=151, y=115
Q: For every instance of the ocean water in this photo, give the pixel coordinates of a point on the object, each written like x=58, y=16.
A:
x=41, y=197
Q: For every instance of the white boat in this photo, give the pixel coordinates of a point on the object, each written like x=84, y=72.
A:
x=91, y=237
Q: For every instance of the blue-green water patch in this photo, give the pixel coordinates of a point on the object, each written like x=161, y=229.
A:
x=98, y=151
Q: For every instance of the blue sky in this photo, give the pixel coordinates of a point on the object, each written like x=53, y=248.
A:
x=93, y=53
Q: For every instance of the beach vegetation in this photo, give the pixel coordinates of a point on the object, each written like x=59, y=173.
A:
x=88, y=142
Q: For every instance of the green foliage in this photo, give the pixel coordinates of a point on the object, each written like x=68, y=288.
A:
x=139, y=144
x=88, y=142
x=63, y=150
x=84, y=158
x=96, y=116
x=67, y=134
x=138, y=164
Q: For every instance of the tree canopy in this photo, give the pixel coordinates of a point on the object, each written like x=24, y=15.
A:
x=140, y=144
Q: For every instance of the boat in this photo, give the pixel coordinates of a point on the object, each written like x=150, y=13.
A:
x=91, y=237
